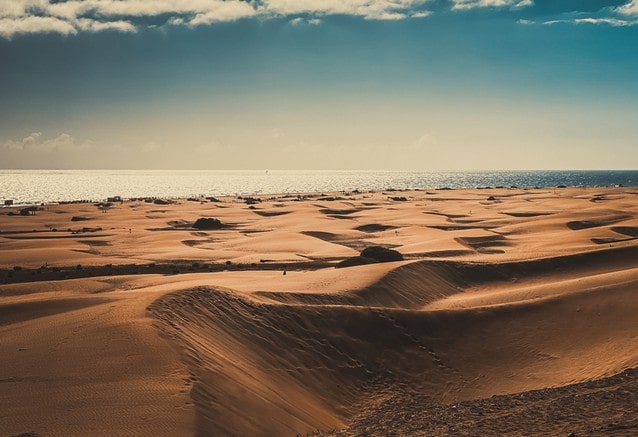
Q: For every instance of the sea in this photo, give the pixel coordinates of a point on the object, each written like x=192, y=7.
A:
x=38, y=186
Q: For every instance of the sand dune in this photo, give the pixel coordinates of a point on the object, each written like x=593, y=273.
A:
x=511, y=314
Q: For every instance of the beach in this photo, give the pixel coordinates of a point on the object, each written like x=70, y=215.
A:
x=512, y=312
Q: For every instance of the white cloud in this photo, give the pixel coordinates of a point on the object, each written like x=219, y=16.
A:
x=9, y=27
x=72, y=16
x=524, y=4
x=69, y=10
x=614, y=22
x=387, y=16
x=19, y=8
x=136, y=8
x=69, y=17
x=176, y=21
x=461, y=5
x=622, y=16
x=421, y=14
x=610, y=21
x=369, y=9
x=34, y=24
x=224, y=11
x=90, y=25
x=631, y=8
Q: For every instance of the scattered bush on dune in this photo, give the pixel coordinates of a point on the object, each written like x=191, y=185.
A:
x=207, y=223
x=381, y=254
x=370, y=255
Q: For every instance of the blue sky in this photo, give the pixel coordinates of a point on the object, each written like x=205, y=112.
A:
x=350, y=84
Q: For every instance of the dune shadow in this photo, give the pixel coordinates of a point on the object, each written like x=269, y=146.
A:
x=577, y=225
x=449, y=216
x=460, y=227
x=491, y=244
x=98, y=243
x=374, y=227
x=630, y=231
x=21, y=312
x=527, y=214
x=194, y=243
x=270, y=213
x=440, y=254
x=338, y=212
x=342, y=240
x=584, y=224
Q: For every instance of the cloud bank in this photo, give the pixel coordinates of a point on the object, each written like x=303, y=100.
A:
x=69, y=17
x=36, y=142
x=369, y=9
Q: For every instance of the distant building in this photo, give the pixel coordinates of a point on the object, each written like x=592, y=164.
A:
x=114, y=199
x=8, y=202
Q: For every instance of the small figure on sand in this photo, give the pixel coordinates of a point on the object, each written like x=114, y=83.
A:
x=285, y=270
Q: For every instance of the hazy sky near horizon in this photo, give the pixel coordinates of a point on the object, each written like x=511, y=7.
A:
x=309, y=84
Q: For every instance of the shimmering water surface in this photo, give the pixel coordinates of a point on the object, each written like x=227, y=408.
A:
x=25, y=186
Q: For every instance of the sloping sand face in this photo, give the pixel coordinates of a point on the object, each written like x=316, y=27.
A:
x=142, y=325
x=310, y=361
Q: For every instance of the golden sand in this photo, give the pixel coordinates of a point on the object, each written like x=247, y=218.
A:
x=132, y=322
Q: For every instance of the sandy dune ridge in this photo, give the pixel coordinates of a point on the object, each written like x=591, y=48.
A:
x=133, y=322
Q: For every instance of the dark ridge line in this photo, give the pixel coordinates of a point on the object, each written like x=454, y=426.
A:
x=485, y=271
x=56, y=273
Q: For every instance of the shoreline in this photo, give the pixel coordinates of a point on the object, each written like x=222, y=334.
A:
x=161, y=184
x=294, y=194
x=301, y=195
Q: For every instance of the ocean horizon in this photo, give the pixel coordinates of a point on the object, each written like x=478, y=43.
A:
x=35, y=186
